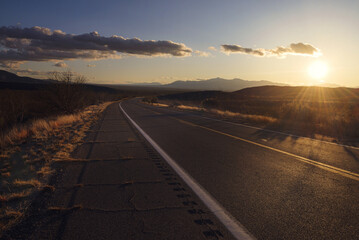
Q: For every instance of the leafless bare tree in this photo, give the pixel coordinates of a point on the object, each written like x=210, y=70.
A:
x=68, y=90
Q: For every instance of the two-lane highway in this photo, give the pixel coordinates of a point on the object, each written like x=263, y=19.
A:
x=278, y=187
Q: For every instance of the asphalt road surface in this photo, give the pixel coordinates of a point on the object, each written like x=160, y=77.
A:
x=277, y=186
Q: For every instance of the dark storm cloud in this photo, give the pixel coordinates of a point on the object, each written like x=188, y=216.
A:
x=303, y=49
x=42, y=44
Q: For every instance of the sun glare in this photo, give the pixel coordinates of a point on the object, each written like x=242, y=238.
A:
x=318, y=70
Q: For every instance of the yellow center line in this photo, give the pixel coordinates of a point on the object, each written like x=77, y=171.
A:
x=342, y=172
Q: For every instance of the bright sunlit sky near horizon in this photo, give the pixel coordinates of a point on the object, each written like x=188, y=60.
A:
x=332, y=27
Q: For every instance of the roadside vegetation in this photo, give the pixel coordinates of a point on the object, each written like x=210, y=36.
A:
x=42, y=124
x=38, y=126
x=67, y=94
x=306, y=111
x=26, y=163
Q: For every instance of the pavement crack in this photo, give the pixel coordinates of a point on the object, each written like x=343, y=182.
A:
x=143, y=227
x=92, y=142
x=120, y=185
x=72, y=160
x=131, y=209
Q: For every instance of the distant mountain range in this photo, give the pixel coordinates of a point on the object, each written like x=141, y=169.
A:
x=8, y=77
x=220, y=84
x=214, y=84
x=10, y=80
x=272, y=93
x=146, y=84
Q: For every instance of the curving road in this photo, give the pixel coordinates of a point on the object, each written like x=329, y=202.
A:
x=277, y=186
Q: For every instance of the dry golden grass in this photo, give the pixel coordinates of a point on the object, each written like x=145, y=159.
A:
x=42, y=127
x=3, y=198
x=159, y=104
x=14, y=135
x=66, y=149
x=10, y=213
x=245, y=117
x=14, y=196
x=311, y=112
x=26, y=183
x=186, y=107
x=66, y=119
x=261, y=119
x=46, y=141
x=4, y=155
x=5, y=174
x=9, y=216
x=45, y=171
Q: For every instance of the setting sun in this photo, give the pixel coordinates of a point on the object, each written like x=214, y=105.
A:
x=318, y=70
x=179, y=119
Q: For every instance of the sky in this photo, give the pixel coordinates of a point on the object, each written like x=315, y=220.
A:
x=164, y=41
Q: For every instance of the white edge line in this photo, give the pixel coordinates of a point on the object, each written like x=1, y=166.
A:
x=271, y=131
x=236, y=228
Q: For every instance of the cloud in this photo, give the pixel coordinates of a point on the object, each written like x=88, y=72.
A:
x=212, y=48
x=91, y=65
x=301, y=49
x=202, y=54
x=60, y=64
x=12, y=65
x=238, y=49
x=304, y=48
x=41, y=44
